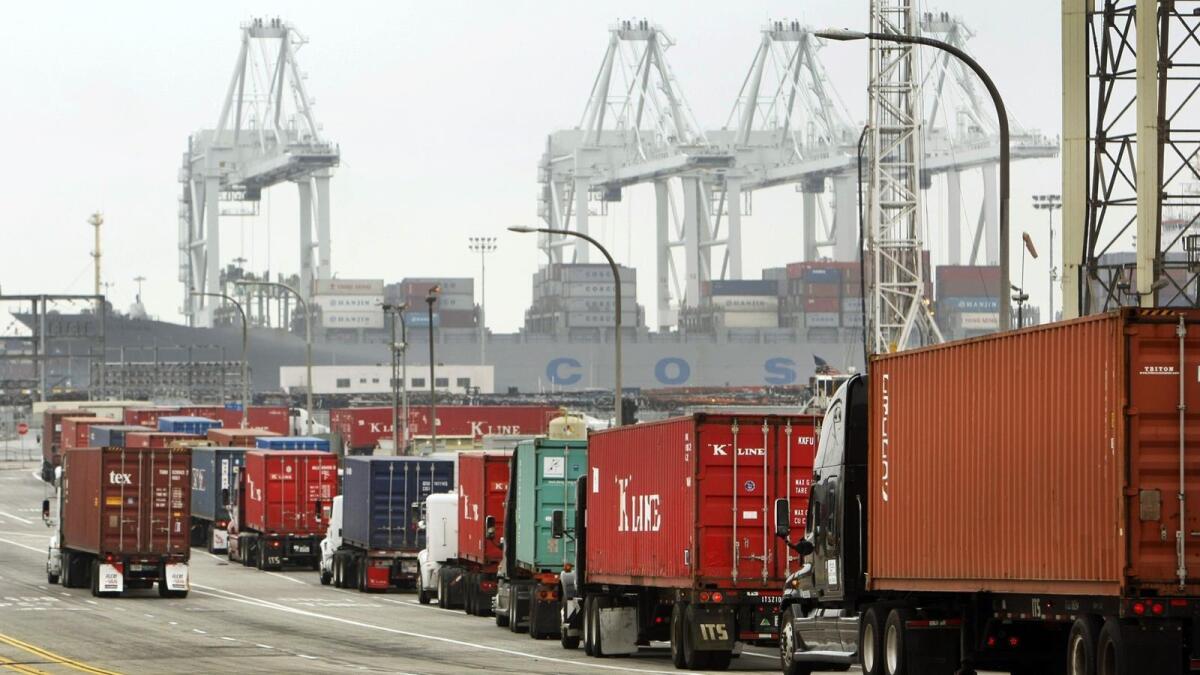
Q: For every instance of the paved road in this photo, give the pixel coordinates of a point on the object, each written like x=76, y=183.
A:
x=239, y=619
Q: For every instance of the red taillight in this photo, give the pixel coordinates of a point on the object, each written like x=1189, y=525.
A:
x=1157, y=608
x=991, y=641
x=1179, y=602
x=108, y=558
x=717, y=597
x=1013, y=641
x=275, y=544
x=658, y=619
x=704, y=596
x=1139, y=608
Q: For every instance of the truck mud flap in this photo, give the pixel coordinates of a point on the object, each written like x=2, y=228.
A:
x=712, y=628
x=177, y=577
x=619, y=630
x=1157, y=646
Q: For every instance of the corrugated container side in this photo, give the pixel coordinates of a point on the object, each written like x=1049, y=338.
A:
x=273, y=418
x=288, y=492
x=822, y=319
x=212, y=473
x=100, y=436
x=157, y=439
x=147, y=417
x=967, y=281
x=212, y=412
x=291, y=443
x=363, y=427
x=127, y=502
x=482, y=487
x=52, y=431
x=382, y=497
x=1003, y=465
x=76, y=430
x=546, y=475
x=179, y=424
x=823, y=291
x=822, y=305
x=238, y=438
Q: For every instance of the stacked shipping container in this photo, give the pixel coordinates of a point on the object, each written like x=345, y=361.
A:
x=455, y=307
x=578, y=296
x=968, y=302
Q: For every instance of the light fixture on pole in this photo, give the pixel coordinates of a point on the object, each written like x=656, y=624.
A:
x=845, y=35
x=616, y=272
x=399, y=380
x=1050, y=204
x=1021, y=296
x=431, y=298
x=308, y=382
x=482, y=246
x=245, y=350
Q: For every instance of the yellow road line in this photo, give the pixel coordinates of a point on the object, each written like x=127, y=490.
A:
x=52, y=657
x=20, y=667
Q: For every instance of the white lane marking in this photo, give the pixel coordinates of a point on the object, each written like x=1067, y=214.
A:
x=30, y=548
x=228, y=639
x=266, y=604
x=284, y=576
x=202, y=632
x=214, y=556
x=91, y=602
x=173, y=623
x=413, y=605
x=761, y=656
x=148, y=616
x=6, y=514
x=306, y=656
x=258, y=645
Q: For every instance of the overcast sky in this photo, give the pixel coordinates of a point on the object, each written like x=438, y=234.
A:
x=441, y=111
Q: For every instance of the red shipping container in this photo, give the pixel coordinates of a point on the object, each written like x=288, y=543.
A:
x=52, y=432
x=482, y=487
x=212, y=412
x=1063, y=438
x=147, y=417
x=288, y=492
x=238, y=438
x=823, y=305
x=75, y=430
x=127, y=501
x=967, y=281
x=668, y=502
x=273, y=418
x=158, y=439
x=821, y=291
x=362, y=428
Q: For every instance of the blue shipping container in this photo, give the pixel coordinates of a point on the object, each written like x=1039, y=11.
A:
x=112, y=436
x=187, y=425
x=382, y=498
x=745, y=287
x=212, y=472
x=292, y=443
x=823, y=275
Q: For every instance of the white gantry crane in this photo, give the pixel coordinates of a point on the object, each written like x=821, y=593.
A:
x=266, y=134
x=637, y=128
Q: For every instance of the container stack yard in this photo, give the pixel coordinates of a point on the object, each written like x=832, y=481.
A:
x=578, y=299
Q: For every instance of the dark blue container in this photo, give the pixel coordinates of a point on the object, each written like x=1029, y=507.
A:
x=823, y=275
x=745, y=287
x=112, y=436
x=212, y=472
x=292, y=443
x=382, y=498
x=187, y=425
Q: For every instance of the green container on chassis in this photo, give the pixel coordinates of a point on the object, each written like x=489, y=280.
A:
x=544, y=482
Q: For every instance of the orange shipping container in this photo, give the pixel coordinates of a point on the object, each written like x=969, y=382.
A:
x=1043, y=461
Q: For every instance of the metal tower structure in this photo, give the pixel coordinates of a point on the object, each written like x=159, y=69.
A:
x=266, y=134
x=1140, y=60
x=894, y=237
x=637, y=127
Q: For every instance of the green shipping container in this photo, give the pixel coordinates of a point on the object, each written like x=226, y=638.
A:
x=546, y=472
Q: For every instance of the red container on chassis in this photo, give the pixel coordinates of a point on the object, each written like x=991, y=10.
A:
x=127, y=502
x=288, y=492
x=662, y=499
x=52, y=435
x=1064, y=439
x=147, y=417
x=238, y=438
x=273, y=418
x=212, y=412
x=482, y=487
x=75, y=430
x=158, y=439
x=362, y=428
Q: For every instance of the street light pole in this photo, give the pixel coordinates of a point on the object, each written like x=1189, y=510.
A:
x=245, y=351
x=429, y=300
x=1050, y=204
x=397, y=313
x=616, y=272
x=1001, y=114
x=482, y=246
x=307, y=341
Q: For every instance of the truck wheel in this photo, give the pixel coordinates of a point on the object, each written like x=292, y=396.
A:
x=718, y=660
x=870, y=641
x=895, y=642
x=423, y=595
x=599, y=602
x=326, y=578
x=677, y=636
x=96, y=579
x=1111, y=655
x=66, y=569
x=567, y=641
x=501, y=616
x=51, y=578
x=514, y=616
x=692, y=658
x=788, y=645
x=1081, y=646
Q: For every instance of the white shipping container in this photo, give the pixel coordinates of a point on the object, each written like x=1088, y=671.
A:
x=350, y=303
x=852, y=304
x=595, y=273
x=978, y=321
x=597, y=290
x=746, y=303
x=454, y=301
x=591, y=304
x=340, y=319
x=852, y=320
x=599, y=319
x=750, y=320
x=372, y=287
x=822, y=319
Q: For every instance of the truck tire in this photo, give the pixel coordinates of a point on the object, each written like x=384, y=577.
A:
x=895, y=642
x=422, y=595
x=501, y=617
x=677, y=624
x=1112, y=658
x=1081, y=646
x=567, y=641
x=787, y=646
x=514, y=617
x=51, y=578
x=692, y=658
x=65, y=577
x=870, y=641
x=718, y=660
x=599, y=602
x=326, y=578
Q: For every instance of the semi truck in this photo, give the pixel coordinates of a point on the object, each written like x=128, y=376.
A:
x=123, y=521
x=680, y=547
x=214, y=472
x=462, y=533
x=1020, y=502
x=280, y=506
x=542, y=475
x=52, y=427
x=374, y=535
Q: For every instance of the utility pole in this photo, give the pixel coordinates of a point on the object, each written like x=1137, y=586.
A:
x=482, y=246
x=96, y=220
x=1050, y=204
x=398, y=349
x=429, y=300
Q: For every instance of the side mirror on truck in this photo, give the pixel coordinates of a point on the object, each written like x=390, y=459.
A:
x=489, y=527
x=783, y=518
x=225, y=497
x=46, y=511
x=558, y=528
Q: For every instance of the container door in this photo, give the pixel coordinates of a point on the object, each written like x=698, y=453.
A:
x=391, y=512
x=164, y=490
x=736, y=493
x=1164, y=451
x=796, y=447
x=557, y=470
x=120, y=513
x=495, y=488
